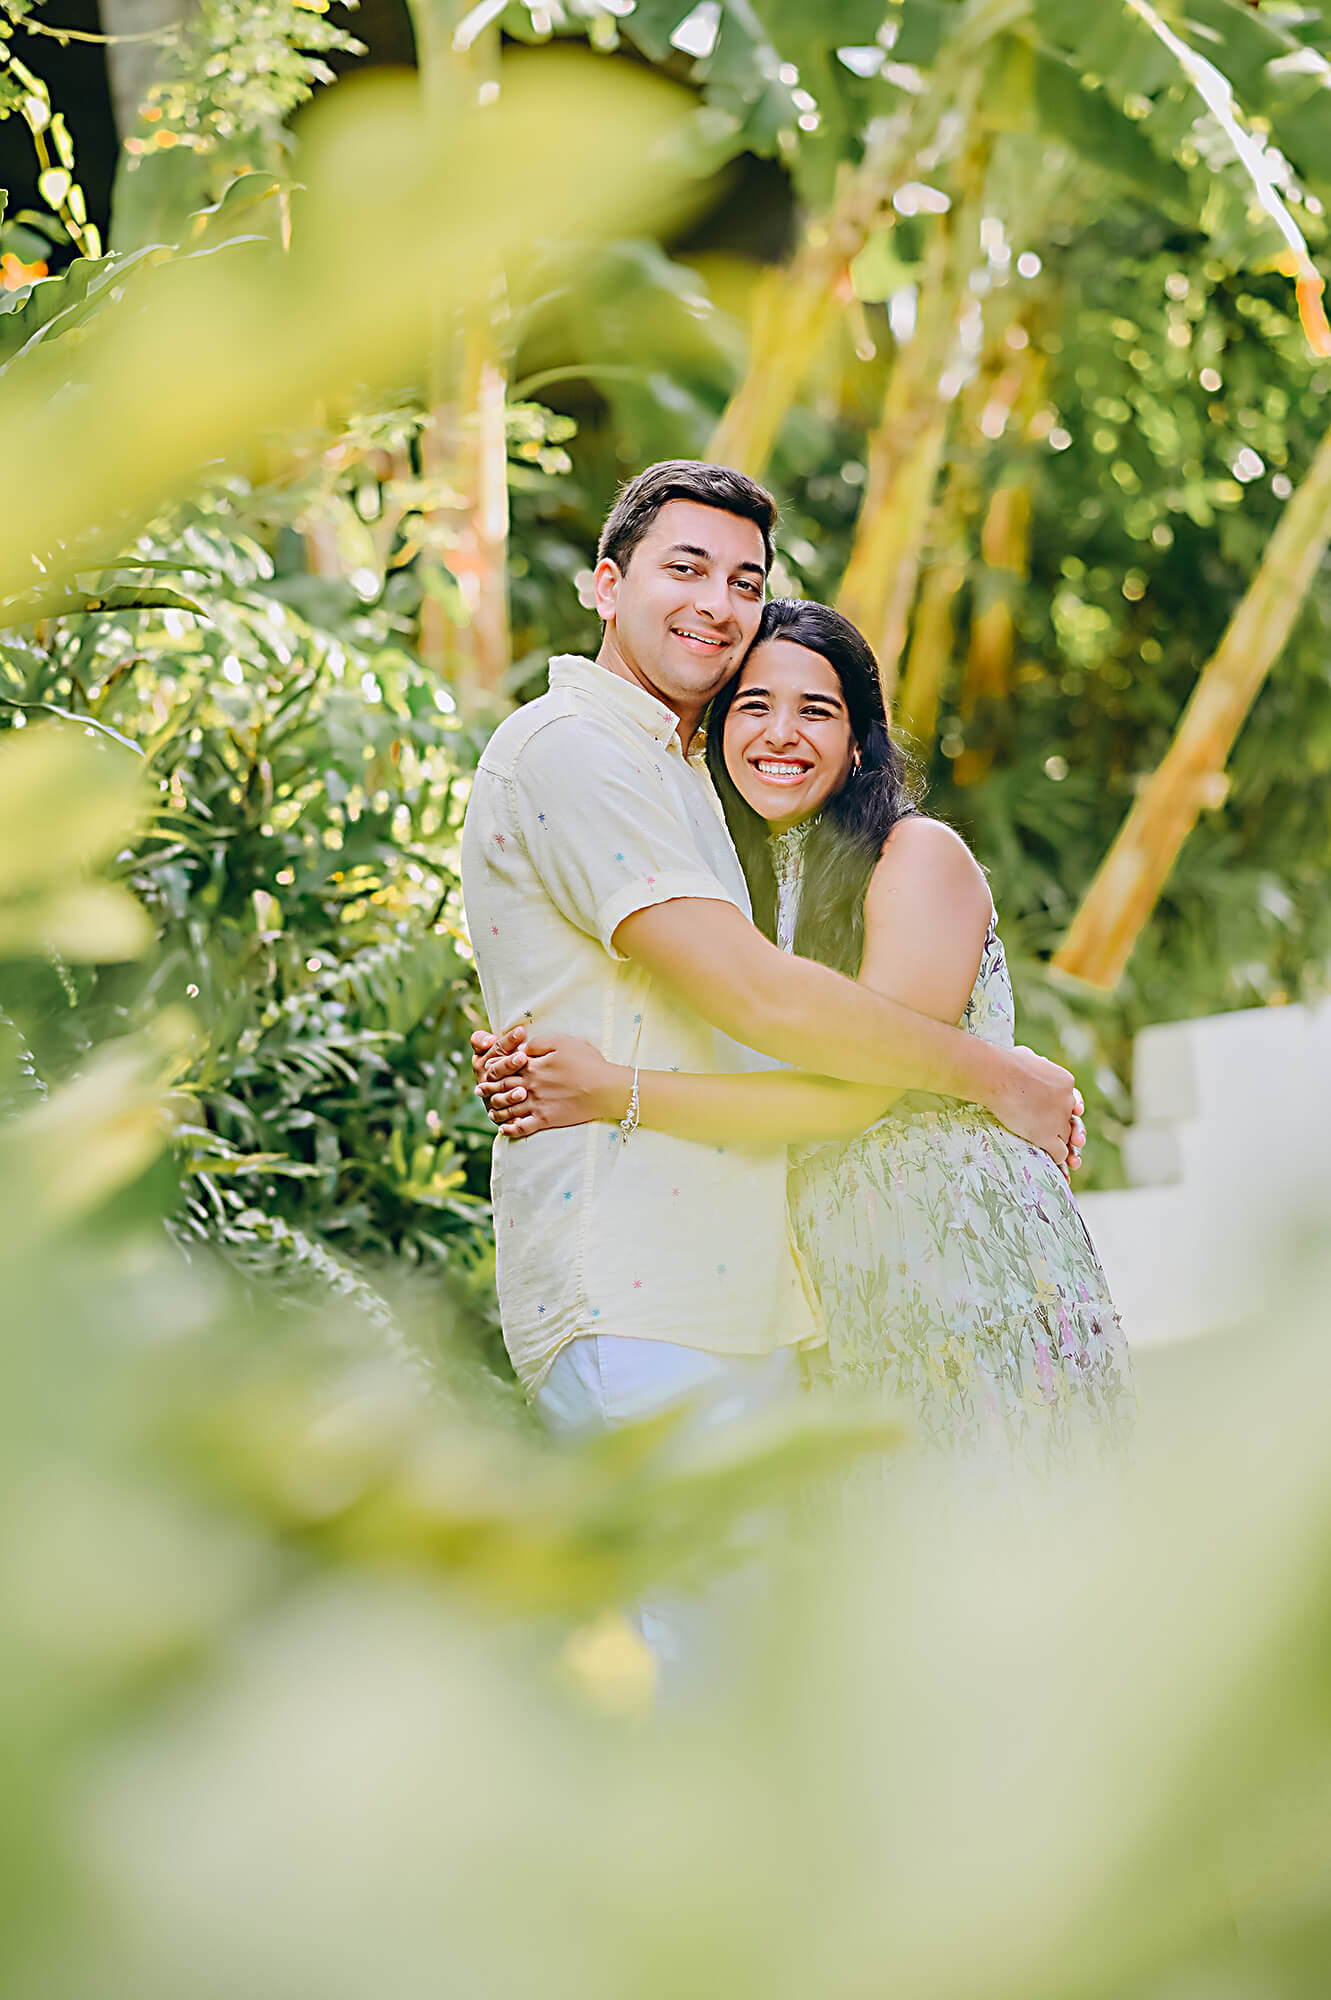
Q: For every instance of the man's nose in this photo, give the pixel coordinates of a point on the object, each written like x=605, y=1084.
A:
x=712, y=595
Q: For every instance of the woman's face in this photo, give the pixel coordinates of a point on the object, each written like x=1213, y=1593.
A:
x=788, y=741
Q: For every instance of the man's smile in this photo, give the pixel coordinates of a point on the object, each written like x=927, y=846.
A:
x=708, y=641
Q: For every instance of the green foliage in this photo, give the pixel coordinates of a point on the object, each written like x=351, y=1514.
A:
x=300, y=868
x=1185, y=408
x=228, y=81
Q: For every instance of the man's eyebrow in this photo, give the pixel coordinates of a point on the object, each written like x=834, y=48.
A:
x=705, y=555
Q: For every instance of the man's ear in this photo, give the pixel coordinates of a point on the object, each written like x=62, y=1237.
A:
x=606, y=579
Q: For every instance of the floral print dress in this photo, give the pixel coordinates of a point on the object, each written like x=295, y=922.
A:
x=951, y=1263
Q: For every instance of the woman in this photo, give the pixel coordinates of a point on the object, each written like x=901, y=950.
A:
x=948, y=1256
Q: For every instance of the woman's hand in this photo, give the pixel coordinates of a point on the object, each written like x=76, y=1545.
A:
x=537, y=1083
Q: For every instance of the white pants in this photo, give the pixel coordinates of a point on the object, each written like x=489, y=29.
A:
x=604, y=1380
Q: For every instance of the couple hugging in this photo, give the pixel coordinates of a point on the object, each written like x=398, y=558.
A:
x=737, y=1117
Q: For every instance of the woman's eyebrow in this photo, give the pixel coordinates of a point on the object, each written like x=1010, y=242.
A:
x=828, y=700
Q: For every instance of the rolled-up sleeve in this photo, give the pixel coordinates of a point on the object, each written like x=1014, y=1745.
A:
x=602, y=833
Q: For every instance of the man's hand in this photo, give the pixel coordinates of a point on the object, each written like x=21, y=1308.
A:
x=1041, y=1103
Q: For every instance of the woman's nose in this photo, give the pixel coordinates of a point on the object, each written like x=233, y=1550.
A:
x=782, y=727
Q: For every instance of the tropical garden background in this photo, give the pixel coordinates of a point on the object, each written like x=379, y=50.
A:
x=326, y=336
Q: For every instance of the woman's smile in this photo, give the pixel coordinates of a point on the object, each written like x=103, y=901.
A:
x=779, y=771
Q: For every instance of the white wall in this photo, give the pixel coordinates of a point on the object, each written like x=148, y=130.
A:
x=1230, y=1163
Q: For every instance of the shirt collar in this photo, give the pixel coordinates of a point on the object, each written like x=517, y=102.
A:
x=612, y=691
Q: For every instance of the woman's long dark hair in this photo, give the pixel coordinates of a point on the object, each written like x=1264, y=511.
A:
x=847, y=838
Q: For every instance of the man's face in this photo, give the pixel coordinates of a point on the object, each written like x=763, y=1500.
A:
x=684, y=613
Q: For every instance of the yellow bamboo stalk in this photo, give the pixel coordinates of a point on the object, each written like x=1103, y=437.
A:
x=1005, y=548
x=793, y=307
x=906, y=449
x=932, y=639
x=1004, y=387
x=904, y=455
x=798, y=298
x=1119, y=902
x=796, y=303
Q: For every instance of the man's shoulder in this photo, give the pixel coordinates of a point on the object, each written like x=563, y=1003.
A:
x=562, y=724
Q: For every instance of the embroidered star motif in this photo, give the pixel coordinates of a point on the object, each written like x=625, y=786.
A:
x=637, y=1284
x=499, y=840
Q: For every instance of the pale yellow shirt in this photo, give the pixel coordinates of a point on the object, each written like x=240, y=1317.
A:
x=585, y=809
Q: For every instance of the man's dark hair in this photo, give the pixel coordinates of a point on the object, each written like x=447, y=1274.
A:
x=642, y=499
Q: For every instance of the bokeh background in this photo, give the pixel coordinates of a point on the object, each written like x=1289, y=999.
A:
x=326, y=336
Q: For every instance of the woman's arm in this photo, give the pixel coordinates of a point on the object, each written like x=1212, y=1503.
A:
x=556, y=1080
x=926, y=917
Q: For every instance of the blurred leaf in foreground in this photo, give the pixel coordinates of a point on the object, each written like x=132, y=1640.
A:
x=67, y=802
x=1016, y=1752
x=204, y=354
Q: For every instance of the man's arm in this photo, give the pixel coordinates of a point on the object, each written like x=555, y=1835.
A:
x=712, y=958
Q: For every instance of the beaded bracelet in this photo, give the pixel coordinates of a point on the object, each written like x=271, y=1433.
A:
x=628, y=1124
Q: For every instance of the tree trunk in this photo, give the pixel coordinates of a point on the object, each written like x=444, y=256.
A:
x=150, y=196
x=465, y=449
x=465, y=446
x=1125, y=890
x=132, y=67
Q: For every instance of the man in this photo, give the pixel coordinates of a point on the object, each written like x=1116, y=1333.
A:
x=605, y=900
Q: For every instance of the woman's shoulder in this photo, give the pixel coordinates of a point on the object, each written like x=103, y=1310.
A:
x=918, y=843
x=927, y=864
